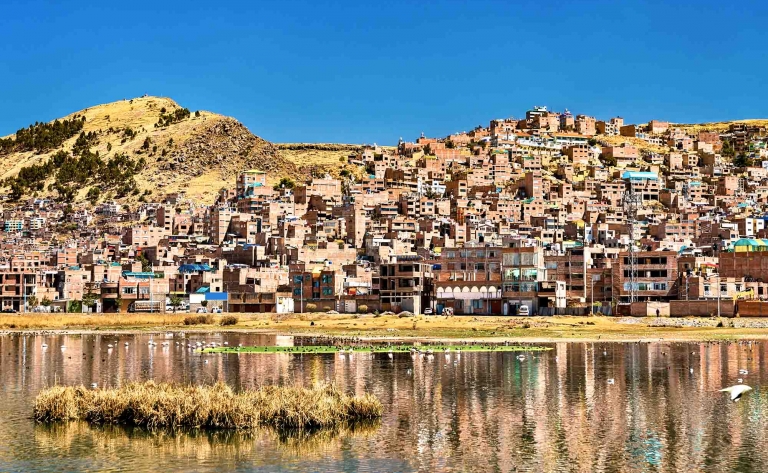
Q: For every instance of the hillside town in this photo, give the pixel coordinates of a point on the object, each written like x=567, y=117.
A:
x=550, y=214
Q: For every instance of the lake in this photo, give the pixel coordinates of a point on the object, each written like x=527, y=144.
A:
x=581, y=407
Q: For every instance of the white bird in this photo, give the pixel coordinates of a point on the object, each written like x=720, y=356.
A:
x=521, y=357
x=605, y=352
x=109, y=346
x=611, y=381
x=126, y=343
x=226, y=343
x=94, y=385
x=740, y=380
x=44, y=345
x=390, y=355
x=63, y=347
x=690, y=370
x=736, y=391
x=743, y=371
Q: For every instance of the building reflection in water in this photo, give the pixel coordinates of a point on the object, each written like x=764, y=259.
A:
x=552, y=411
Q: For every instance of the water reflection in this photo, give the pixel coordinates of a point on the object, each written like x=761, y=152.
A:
x=224, y=448
x=551, y=411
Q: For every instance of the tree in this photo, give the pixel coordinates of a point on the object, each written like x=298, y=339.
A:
x=32, y=302
x=204, y=303
x=146, y=265
x=286, y=183
x=46, y=302
x=175, y=301
x=93, y=195
x=89, y=299
x=741, y=161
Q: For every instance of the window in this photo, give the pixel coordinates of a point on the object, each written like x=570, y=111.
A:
x=297, y=291
x=477, y=304
x=327, y=278
x=327, y=291
x=723, y=288
x=298, y=279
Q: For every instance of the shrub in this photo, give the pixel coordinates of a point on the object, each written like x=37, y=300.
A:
x=229, y=320
x=201, y=319
x=362, y=309
x=311, y=307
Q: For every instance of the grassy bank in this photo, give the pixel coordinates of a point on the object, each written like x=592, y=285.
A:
x=524, y=329
x=320, y=349
x=152, y=405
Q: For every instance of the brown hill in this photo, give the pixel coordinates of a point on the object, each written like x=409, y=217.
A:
x=195, y=152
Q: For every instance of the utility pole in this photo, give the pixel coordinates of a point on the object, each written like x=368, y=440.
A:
x=630, y=202
x=584, y=261
x=719, y=291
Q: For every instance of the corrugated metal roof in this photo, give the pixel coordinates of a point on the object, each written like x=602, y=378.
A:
x=193, y=268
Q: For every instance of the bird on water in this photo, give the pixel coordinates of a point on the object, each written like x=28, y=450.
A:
x=736, y=391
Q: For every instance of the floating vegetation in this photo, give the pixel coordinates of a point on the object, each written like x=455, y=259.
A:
x=162, y=405
x=320, y=349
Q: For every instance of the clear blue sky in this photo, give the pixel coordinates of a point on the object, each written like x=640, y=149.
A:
x=364, y=72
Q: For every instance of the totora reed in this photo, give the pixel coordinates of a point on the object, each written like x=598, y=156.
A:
x=161, y=405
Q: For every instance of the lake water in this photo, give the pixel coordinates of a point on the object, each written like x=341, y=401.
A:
x=553, y=411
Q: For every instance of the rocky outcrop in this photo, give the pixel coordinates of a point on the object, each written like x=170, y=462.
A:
x=225, y=146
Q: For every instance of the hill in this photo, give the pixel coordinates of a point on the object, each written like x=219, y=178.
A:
x=719, y=127
x=144, y=148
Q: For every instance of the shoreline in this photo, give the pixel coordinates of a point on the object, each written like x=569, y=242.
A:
x=389, y=329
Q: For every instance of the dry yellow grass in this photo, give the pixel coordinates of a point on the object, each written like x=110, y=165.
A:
x=641, y=145
x=523, y=329
x=66, y=321
x=139, y=114
x=163, y=405
x=717, y=126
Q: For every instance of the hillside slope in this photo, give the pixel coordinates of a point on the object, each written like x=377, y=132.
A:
x=194, y=152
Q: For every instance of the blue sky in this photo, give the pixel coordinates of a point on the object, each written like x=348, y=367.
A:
x=364, y=72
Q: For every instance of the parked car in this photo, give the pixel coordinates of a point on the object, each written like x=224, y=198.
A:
x=428, y=311
x=202, y=310
x=523, y=310
x=216, y=310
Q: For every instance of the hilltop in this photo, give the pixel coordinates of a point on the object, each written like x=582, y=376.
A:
x=157, y=146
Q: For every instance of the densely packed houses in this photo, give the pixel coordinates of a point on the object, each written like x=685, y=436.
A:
x=549, y=214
